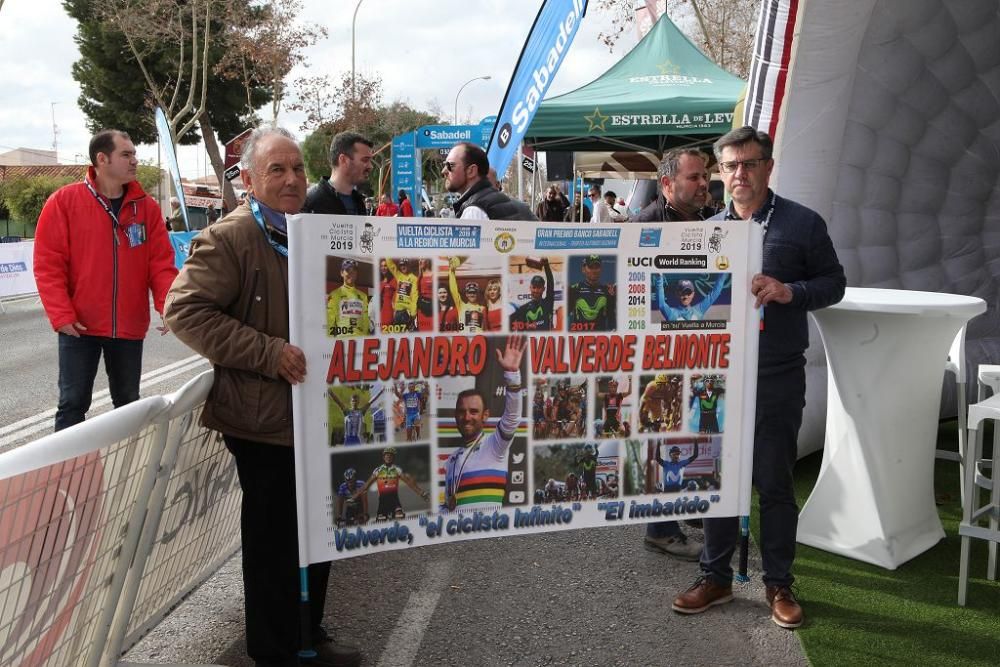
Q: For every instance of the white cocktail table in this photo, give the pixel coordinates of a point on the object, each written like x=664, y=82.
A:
x=886, y=352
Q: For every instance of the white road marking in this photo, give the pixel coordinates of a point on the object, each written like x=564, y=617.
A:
x=20, y=430
x=402, y=645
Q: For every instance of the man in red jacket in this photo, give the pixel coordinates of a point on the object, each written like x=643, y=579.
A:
x=405, y=207
x=386, y=208
x=100, y=249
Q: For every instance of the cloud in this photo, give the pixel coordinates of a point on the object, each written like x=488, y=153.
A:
x=422, y=49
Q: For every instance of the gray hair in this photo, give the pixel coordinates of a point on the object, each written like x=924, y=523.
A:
x=249, y=153
x=343, y=144
x=744, y=135
x=671, y=161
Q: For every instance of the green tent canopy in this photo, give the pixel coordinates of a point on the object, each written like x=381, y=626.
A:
x=663, y=93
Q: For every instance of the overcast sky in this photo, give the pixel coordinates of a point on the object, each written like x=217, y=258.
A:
x=424, y=50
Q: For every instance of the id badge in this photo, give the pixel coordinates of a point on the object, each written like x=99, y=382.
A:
x=136, y=234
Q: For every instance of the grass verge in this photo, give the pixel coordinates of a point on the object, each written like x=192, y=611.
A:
x=860, y=614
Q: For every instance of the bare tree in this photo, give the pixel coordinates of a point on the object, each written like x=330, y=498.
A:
x=182, y=31
x=313, y=95
x=265, y=42
x=149, y=27
x=205, y=42
x=722, y=29
x=324, y=103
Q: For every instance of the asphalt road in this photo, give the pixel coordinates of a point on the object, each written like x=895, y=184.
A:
x=29, y=368
x=593, y=597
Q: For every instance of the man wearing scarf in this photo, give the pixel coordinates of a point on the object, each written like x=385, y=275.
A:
x=230, y=304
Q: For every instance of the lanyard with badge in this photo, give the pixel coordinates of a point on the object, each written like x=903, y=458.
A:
x=135, y=233
x=764, y=220
x=259, y=217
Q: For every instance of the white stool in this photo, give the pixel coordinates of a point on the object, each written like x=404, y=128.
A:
x=976, y=477
x=956, y=364
x=988, y=376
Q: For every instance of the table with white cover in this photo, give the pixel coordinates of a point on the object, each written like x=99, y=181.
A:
x=886, y=351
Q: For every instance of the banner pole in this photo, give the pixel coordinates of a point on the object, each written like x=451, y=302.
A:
x=295, y=231
x=741, y=575
x=520, y=173
x=306, y=649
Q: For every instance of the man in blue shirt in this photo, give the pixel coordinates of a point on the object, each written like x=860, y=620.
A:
x=673, y=469
x=801, y=272
x=688, y=311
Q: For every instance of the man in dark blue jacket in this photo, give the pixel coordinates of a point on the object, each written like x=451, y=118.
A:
x=801, y=272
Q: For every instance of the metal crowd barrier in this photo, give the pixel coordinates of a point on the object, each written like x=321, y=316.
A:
x=105, y=526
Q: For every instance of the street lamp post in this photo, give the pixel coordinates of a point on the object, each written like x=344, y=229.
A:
x=483, y=78
x=353, y=21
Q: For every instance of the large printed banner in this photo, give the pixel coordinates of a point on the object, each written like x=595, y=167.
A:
x=470, y=381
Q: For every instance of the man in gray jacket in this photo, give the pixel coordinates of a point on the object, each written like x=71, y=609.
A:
x=230, y=304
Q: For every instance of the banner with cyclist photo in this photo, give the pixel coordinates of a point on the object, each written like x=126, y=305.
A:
x=479, y=380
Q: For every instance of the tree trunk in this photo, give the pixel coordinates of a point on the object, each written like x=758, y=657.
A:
x=218, y=164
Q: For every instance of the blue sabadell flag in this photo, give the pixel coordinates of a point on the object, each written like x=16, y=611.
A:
x=548, y=41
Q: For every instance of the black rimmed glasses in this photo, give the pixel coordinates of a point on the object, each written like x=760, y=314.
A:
x=449, y=166
x=731, y=166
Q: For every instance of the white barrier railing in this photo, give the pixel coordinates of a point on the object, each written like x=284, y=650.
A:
x=106, y=525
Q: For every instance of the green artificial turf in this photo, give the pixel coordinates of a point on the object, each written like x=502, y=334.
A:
x=861, y=614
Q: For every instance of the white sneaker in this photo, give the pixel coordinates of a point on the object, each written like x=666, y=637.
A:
x=678, y=546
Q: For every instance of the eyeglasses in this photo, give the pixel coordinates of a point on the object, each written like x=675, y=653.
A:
x=449, y=166
x=730, y=167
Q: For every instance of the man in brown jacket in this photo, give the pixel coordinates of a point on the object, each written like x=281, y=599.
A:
x=230, y=303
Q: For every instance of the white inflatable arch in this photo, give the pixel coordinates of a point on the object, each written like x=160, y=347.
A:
x=886, y=119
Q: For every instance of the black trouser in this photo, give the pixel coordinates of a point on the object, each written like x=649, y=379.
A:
x=270, y=553
x=79, y=357
x=780, y=399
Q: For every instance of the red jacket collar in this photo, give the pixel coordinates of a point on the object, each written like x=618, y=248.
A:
x=133, y=190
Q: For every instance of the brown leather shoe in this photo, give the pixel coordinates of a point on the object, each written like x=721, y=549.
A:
x=785, y=609
x=704, y=593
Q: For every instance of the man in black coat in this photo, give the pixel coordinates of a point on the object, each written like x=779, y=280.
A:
x=351, y=162
x=800, y=273
x=465, y=172
x=683, y=176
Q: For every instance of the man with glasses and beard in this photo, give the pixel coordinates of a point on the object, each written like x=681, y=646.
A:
x=465, y=172
x=801, y=272
x=351, y=162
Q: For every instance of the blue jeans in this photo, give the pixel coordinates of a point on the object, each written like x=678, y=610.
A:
x=78, y=359
x=780, y=399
